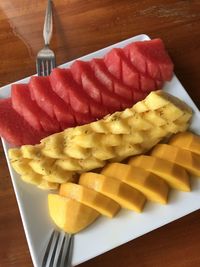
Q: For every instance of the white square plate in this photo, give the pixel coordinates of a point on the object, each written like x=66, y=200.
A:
x=105, y=234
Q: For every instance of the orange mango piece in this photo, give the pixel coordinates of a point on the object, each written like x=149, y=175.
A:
x=173, y=174
x=126, y=196
x=186, y=140
x=90, y=198
x=154, y=188
x=184, y=158
x=70, y=215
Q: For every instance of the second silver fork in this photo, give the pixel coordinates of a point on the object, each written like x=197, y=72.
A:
x=46, y=60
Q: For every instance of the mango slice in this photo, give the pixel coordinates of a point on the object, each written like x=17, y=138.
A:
x=184, y=158
x=90, y=198
x=126, y=196
x=154, y=188
x=70, y=215
x=173, y=174
x=186, y=140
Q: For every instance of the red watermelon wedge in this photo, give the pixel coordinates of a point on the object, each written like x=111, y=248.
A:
x=32, y=113
x=64, y=85
x=14, y=128
x=93, y=87
x=50, y=102
x=114, y=85
x=151, y=58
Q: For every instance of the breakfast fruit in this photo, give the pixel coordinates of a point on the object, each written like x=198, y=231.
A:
x=87, y=91
x=173, y=174
x=154, y=188
x=70, y=215
x=184, y=158
x=32, y=113
x=11, y=125
x=126, y=196
x=113, y=138
x=186, y=140
x=151, y=60
x=97, y=201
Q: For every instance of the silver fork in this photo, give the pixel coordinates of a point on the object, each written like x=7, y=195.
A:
x=46, y=61
x=59, y=250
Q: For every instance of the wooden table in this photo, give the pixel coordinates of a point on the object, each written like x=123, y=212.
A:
x=81, y=27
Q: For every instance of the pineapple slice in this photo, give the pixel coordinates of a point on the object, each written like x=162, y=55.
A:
x=103, y=152
x=42, y=166
x=99, y=127
x=14, y=153
x=59, y=175
x=77, y=152
x=68, y=164
x=88, y=140
x=138, y=122
x=136, y=137
x=127, y=150
x=90, y=164
x=111, y=140
x=53, y=146
x=21, y=166
x=45, y=185
x=32, y=178
x=116, y=125
x=140, y=107
x=154, y=118
x=31, y=152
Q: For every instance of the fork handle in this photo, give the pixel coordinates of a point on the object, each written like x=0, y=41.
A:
x=48, y=24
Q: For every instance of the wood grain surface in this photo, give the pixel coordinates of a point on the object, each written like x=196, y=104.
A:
x=81, y=27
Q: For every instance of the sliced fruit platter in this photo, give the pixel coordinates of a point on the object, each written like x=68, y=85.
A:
x=112, y=134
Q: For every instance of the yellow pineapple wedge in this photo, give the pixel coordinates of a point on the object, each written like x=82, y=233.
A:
x=173, y=174
x=90, y=198
x=126, y=196
x=70, y=215
x=182, y=157
x=154, y=188
x=21, y=166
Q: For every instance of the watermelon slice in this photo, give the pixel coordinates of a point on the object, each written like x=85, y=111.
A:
x=151, y=58
x=121, y=68
x=50, y=102
x=14, y=128
x=93, y=87
x=114, y=85
x=64, y=85
x=32, y=113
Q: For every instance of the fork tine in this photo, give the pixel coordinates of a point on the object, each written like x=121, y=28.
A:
x=59, y=249
x=47, y=249
x=53, y=63
x=49, y=67
x=52, y=252
x=38, y=67
x=67, y=252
